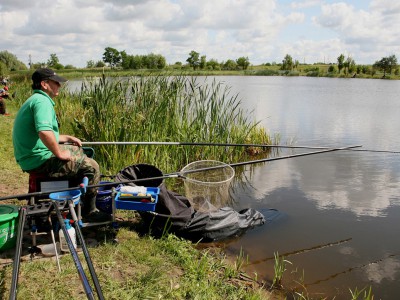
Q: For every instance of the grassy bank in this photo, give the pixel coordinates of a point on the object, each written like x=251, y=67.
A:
x=137, y=267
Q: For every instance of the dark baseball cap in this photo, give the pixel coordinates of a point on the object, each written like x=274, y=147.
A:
x=47, y=74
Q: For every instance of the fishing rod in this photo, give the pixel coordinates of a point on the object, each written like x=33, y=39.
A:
x=179, y=174
x=270, y=159
x=230, y=145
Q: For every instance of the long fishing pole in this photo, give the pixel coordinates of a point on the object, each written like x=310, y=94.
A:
x=230, y=145
x=179, y=174
x=270, y=159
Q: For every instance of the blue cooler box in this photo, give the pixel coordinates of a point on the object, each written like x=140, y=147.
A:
x=131, y=201
x=104, y=199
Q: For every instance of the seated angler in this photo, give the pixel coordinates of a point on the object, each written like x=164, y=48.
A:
x=39, y=148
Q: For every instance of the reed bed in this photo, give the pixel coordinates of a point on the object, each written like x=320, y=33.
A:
x=159, y=108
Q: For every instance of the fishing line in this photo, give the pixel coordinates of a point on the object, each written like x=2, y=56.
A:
x=233, y=145
x=352, y=269
x=295, y=252
x=179, y=174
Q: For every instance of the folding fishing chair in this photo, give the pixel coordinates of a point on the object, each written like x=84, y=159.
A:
x=58, y=204
x=42, y=183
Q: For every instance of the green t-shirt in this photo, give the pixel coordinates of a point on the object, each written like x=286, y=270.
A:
x=36, y=114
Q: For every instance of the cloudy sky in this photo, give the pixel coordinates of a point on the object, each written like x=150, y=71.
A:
x=263, y=30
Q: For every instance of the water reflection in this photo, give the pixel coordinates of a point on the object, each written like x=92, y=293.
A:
x=333, y=181
x=345, y=200
x=337, y=196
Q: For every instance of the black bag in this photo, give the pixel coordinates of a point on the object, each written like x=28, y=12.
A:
x=174, y=213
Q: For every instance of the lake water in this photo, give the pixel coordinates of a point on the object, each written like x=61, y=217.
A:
x=340, y=211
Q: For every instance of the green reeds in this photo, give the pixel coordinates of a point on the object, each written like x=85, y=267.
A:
x=279, y=269
x=161, y=108
x=365, y=294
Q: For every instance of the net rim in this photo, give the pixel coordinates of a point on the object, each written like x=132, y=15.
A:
x=221, y=164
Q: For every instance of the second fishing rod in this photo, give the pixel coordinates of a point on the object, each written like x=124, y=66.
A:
x=182, y=175
x=234, y=145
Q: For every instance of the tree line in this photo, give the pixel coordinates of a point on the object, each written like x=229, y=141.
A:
x=120, y=59
x=387, y=65
x=115, y=58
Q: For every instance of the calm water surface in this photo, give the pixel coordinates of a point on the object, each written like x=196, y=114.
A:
x=340, y=211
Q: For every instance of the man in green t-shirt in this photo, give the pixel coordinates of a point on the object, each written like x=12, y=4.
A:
x=38, y=146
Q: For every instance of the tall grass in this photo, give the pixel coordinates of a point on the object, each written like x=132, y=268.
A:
x=160, y=108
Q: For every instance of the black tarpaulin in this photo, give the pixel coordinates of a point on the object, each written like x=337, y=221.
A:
x=175, y=214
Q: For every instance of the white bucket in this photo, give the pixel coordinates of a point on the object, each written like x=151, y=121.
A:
x=48, y=249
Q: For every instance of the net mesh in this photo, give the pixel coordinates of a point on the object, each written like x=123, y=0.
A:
x=207, y=184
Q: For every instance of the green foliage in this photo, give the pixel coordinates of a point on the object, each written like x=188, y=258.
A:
x=267, y=72
x=243, y=62
x=194, y=59
x=363, y=293
x=230, y=65
x=331, y=69
x=9, y=62
x=135, y=268
x=112, y=56
x=159, y=108
x=3, y=69
x=287, y=63
x=90, y=64
x=203, y=62
x=69, y=67
x=53, y=61
x=213, y=64
x=279, y=270
x=386, y=64
x=340, y=61
x=136, y=62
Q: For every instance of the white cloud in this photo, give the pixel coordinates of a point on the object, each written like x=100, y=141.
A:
x=78, y=30
x=305, y=4
x=372, y=34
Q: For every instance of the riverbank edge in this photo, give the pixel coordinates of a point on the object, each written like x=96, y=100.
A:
x=316, y=70
x=14, y=181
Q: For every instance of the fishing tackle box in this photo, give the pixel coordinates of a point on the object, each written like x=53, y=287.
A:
x=135, y=201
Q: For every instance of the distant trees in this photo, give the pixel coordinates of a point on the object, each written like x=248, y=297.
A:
x=54, y=62
x=230, y=64
x=194, y=59
x=287, y=63
x=111, y=56
x=243, y=62
x=9, y=62
x=92, y=64
x=203, y=62
x=213, y=64
x=117, y=58
x=150, y=61
x=348, y=65
x=340, y=61
x=386, y=64
x=121, y=59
